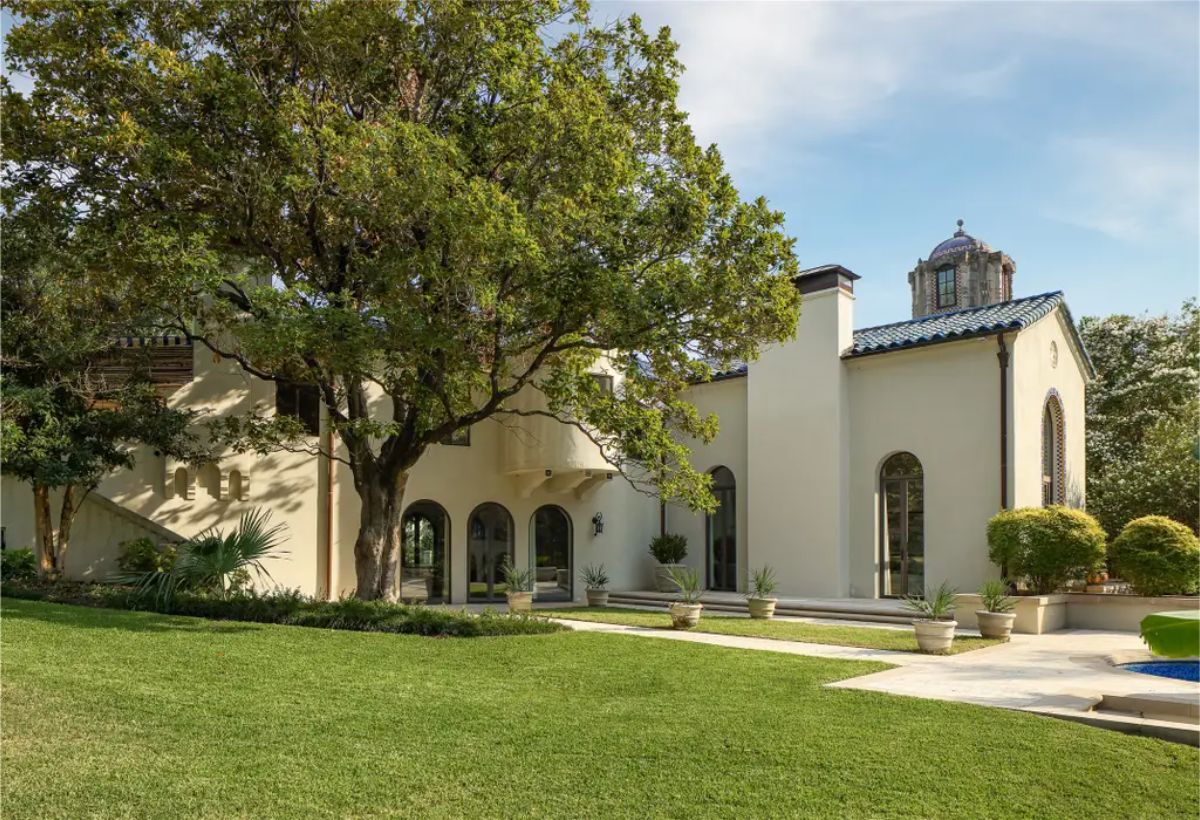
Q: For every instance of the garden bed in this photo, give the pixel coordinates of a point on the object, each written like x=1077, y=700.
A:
x=290, y=609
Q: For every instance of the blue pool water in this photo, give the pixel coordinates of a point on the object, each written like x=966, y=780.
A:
x=1182, y=670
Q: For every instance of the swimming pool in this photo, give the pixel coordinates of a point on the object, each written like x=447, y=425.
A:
x=1180, y=670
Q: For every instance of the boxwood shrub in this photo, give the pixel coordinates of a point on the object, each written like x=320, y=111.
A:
x=292, y=608
x=1157, y=555
x=1047, y=546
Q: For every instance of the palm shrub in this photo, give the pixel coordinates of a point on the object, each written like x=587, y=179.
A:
x=217, y=562
x=669, y=548
x=1048, y=546
x=1157, y=555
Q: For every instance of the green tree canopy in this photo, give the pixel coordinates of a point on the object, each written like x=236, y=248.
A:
x=440, y=204
x=1143, y=413
x=67, y=417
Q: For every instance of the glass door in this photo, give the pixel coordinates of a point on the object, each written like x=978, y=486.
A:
x=722, y=533
x=902, y=548
x=489, y=545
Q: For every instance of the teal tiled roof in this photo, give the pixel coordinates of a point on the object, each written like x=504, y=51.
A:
x=1016, y=314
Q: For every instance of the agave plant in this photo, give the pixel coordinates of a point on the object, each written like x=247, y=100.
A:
x=594, y=576
x=936, y=607
x=762, y=582
x=688, y=581
x=215, y=561
x=517, y=580
x=994, y=597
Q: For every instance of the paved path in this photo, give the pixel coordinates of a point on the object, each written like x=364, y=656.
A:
x=1062, y=674
x=816, y=650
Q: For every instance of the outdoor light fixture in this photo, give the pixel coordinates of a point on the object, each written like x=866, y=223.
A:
x=598, y=524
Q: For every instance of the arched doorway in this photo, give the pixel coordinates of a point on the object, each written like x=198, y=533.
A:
x=489, y=544
x=425, y=553
x=1052, y=452
x=551, y=556
x=721, y=533
x=902, y=529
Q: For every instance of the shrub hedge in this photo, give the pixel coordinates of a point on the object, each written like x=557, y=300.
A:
x=1046, y=545
x=1157, y=555
x=18, y=565
x=292, y=608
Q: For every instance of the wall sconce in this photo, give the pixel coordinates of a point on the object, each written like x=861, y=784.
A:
x=598, y=524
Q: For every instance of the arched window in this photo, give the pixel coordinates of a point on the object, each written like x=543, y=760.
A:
x=902, y=526
x=235, y=485
x=181, y=482
x=1052, y=451
x=721, y=532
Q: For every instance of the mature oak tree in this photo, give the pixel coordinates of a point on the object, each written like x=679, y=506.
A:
x=422, y=208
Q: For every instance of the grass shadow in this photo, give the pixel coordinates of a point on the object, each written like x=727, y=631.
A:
x=86, y=617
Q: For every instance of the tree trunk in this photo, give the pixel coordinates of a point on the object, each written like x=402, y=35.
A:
x=380, y=529
x=51, y=544
x=44, y=531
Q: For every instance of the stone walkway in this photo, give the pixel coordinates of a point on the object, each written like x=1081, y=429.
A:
x=1062, y=674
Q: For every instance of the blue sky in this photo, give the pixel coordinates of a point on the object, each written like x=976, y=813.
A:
x=1065, y=134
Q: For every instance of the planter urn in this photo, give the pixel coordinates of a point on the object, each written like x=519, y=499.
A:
x=520, y=601
x=597, y=597
x=685, y=616
x=934, y=637
x=762, y=608
x=996, y=624
x=662, y=577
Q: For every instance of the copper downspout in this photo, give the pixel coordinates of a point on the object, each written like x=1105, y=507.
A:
x=329, y=513
x=1003, y=356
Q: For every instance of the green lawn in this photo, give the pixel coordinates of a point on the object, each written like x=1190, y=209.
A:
x=110, y=713
x=901, y=640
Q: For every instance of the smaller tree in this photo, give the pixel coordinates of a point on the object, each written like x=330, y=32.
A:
x=68, y=417
x=1048, y=546
x=1157, y=555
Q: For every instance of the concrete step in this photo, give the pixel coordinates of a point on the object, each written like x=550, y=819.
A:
x=870, y=611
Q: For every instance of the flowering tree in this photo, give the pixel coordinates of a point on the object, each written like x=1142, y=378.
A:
x=1143, y=412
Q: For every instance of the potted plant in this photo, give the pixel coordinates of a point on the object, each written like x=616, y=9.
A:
x=595, y=578
x=685, y=613
x=518, y=587
x=997, y=616
x=760, y=599
x=669, y=549
x=935, y=622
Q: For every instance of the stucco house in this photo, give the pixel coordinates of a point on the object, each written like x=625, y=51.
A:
x=858, y=463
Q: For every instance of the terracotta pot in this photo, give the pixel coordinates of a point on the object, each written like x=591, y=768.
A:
x=762, y=608
x=995, y=624
x=934, y=637
x=520, y=601
x=597, y=597
x=685, y=616
x=662, y=577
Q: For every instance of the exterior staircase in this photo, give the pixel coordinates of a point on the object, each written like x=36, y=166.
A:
x=870, y=610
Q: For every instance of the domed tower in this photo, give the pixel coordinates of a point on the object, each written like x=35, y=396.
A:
x=962, y=272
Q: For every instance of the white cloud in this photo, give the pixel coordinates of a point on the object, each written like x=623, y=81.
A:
x=1129, y=192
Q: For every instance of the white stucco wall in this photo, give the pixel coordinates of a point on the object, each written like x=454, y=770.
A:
x=940, y=403
x=798, y=445
x=1035, y=375
x=727, y=399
